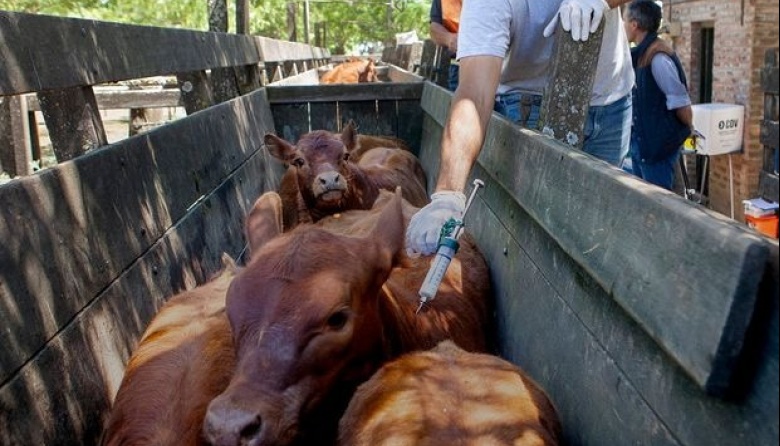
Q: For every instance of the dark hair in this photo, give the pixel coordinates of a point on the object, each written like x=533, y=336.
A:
x=646, y=13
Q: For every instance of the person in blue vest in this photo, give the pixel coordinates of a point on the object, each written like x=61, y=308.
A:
x=663, y=118
x=445, y=21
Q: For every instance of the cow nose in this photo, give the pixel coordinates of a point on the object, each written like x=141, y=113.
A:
x=231, y=426
x=329, y=180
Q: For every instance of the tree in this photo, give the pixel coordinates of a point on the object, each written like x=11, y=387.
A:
x=347, y=22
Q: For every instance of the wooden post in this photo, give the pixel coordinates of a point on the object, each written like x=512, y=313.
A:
x=223, y=80
x=73, y=120
x=195, y=91
x=567, y=95
x=15, y=154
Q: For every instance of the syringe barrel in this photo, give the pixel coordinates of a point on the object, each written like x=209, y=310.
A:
x=438, y=268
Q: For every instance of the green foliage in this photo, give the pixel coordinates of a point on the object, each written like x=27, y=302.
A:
x=346, y=23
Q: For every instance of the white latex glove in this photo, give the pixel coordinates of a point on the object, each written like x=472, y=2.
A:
x=581, y=17
x=422, y=235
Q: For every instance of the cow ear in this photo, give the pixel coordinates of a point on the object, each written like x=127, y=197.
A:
x=264, y=221
x=279, y=148
x=390, y=228
x=349, y=136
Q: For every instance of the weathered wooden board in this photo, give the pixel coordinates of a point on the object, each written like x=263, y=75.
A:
x=344, y=92
x=391, y=111
x=689, y=277
x=69, y=231
x=612, y=382
x=63, y=393
x=119, y=99
x=91, y=52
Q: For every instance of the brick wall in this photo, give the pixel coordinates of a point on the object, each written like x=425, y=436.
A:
x=743, y=30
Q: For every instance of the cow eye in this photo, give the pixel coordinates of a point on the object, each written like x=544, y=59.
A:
x=338, y=320
x=298, y=162
x=346, y=156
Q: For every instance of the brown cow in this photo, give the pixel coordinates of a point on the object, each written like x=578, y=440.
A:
x=310, y=323
x=447, y=396
x=184, y=359
x=322, y=179
x=351, y=72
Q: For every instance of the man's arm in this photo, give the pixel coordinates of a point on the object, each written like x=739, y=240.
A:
x=464, y=132
x=443, y=37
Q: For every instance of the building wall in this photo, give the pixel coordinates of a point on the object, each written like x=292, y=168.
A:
x=743, y=31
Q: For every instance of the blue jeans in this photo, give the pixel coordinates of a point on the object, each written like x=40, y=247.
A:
x=453, y=76
x=608, y=131
x=607, y=128
x=521, y=108
x=660, y=173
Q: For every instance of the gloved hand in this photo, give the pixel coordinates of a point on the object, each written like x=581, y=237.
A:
x=581, y=17
x=422, y=235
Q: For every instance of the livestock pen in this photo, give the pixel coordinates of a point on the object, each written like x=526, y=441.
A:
x=648, y=319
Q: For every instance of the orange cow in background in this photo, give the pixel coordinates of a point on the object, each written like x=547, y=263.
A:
x=351, y=72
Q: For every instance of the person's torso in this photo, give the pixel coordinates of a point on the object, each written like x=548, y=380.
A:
x=513, y=29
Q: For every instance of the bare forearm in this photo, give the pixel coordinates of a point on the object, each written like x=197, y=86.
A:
x=441, y=36
x=685, y=115
x=464, y=132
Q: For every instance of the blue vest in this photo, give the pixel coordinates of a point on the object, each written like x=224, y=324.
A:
x=657, y=130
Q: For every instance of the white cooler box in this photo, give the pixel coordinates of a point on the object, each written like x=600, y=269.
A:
x=722, y=126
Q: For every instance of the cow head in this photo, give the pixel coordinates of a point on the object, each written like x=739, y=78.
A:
x=305, y=324
x=325, y=176
x=368, y=74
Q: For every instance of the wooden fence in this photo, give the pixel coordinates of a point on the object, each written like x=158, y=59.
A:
x=101, y=52
x=768, y=182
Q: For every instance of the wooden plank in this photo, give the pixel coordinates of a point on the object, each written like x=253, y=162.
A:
x=614, y=384
x=100, y=52
x=395, y=74
x=567, y=95
x=110, y=206
x=310, y=77
x=291, y=120
x=325, y=116
x=702, y=270
x=62, y=395
x=122, y=99
x=344, y=92
x=73, y=121
x=364, y=114
x=15, y=153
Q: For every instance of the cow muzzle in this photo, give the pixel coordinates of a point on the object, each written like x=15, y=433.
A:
x=329, y=186
x=230, y=424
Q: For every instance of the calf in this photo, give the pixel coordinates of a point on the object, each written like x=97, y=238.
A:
x=449, y=396
x=184, y=359
x=351, y=72
x=322, y=179
x=319, y=309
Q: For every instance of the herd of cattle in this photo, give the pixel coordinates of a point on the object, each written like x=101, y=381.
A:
x=315, y=340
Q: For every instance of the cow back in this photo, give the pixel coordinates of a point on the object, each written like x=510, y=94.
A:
x=184, y=359
x=449, y=396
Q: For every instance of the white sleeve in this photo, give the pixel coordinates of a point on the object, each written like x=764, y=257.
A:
x=484, y=28
x=668, y=80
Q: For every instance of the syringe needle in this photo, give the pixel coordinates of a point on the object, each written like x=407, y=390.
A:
x=419, y=308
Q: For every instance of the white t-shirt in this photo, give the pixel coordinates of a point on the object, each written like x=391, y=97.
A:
x=512, y=29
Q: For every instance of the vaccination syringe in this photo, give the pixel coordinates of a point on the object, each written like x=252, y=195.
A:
x=448, y=246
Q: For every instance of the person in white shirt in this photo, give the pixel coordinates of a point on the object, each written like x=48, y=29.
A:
x=504, y=51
